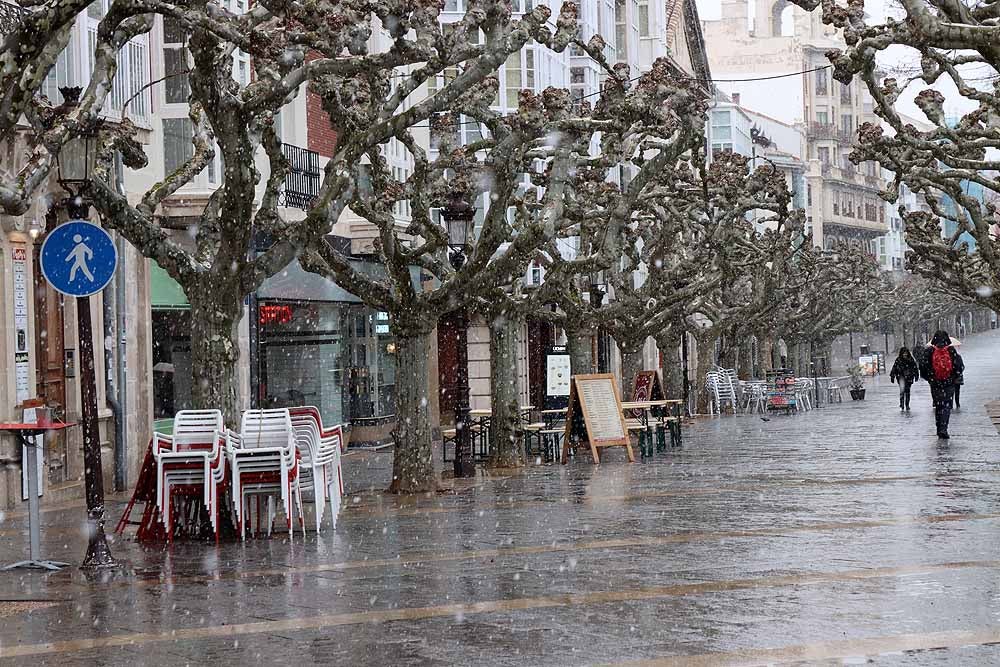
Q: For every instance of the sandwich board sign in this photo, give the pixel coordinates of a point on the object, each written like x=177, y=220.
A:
x=595, y=415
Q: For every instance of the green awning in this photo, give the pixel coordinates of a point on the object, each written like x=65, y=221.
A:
x=164, y=291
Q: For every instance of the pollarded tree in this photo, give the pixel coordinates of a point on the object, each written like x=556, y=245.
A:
x=217, y=269
x=639, y=135
x=954, y=159
x=493, y=258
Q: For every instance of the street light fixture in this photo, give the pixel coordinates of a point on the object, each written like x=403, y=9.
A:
x=459, y=216
x=75, y=163
x=597, y=289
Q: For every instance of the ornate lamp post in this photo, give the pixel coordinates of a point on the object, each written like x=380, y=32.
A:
x=76, y=161
x=459, y=217
x=75, y=165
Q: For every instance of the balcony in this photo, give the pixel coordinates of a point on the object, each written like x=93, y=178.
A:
x=303, y=179
x=828, y=131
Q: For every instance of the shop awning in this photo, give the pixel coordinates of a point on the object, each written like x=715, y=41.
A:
x=293, y=283
x=164, y=291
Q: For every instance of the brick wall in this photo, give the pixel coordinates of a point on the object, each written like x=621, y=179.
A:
x=322, y=138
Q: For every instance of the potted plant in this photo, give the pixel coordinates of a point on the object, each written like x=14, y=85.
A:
x=857, y=386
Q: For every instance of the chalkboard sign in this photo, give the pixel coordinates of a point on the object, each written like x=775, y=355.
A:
x=595, y=415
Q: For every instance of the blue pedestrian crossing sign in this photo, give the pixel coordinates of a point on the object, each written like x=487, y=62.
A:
x=78, y=258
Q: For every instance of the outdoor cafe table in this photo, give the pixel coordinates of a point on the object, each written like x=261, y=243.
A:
x=481, y=418
x=646, y=409
x=25, y=435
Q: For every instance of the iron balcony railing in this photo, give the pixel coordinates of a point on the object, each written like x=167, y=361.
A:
x=303, y=179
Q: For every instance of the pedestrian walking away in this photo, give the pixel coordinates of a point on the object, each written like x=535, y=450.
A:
x=905, y=372
x=941, y=367
x=959, y=381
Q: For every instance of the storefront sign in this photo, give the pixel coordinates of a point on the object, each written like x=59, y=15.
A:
x=275, y=314
x=381, y=323
x=557, y=374
x=19, y=254
x=595, y=398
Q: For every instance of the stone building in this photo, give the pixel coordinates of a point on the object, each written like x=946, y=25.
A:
x=767, y=38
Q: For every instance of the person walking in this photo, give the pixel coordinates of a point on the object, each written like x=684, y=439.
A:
x=905, y=370
x=959, y=381
x=941, y=366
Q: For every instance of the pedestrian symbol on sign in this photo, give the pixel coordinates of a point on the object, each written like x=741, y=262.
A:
x=80, y=255
x=78, y=258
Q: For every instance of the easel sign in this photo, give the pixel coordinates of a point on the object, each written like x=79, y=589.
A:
x=647, y=388
x=595, y=414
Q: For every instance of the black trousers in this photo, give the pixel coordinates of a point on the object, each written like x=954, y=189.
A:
x=904, y=393
x=942, y=394
x=958, y=398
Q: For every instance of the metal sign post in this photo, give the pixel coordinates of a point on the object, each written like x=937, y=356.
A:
x=78, y=258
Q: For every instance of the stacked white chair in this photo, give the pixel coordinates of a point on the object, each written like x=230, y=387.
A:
x=264, y=462
x=192, y=456
x=319, y=467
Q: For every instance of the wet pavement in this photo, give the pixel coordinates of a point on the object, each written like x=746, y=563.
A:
x=846, y=535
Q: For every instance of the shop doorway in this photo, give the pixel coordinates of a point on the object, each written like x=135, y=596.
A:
x=540, y=340
x=53, y=365
x=448, y=336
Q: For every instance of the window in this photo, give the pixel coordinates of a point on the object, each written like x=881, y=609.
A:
x=621, y=31
x=821, y=82
x=809, y=195
x=436, y=83
x=822, y=118
x=722, y=129
x=176, y=87
x=643, y=12
x=513, y=78
x=845, y=93
x=847, y=124
x=824, y=155
x=177, y=146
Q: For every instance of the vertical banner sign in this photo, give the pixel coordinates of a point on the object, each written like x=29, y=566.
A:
x=557, y=375
x=19, y=255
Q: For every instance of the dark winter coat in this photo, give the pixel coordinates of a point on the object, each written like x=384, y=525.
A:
x=927, y=372
x=904, y=369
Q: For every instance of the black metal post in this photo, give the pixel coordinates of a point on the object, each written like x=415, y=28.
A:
x=465, y=464
x=812, y=354
x=98, y=551
x=687, y=382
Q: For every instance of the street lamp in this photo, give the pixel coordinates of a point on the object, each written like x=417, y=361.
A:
x=76, y=160
x=459, y=216
x=75, y=163
x=597, y=289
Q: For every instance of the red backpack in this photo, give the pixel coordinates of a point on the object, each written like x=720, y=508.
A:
x=941, y=364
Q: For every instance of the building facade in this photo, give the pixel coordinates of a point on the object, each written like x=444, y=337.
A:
x=766, y=38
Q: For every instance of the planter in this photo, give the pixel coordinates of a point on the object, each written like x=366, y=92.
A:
x=857, y=394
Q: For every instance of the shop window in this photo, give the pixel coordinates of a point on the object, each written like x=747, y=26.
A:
x=171, y=361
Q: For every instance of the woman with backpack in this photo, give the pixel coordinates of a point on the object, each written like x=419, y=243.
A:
x=941, y=367
x=905, y=370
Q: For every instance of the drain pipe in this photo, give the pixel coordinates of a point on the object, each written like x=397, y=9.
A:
x=114, y=339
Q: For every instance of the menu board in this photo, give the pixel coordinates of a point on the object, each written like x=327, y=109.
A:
x=595, y=399
x=647, y=388
x=19, y=257
x=557, y=374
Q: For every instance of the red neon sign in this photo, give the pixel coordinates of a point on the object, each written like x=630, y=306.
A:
x=275, y=314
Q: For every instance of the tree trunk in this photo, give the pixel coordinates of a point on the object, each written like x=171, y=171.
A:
x=412, y=465
x=632, y=363
x=215, y=351
x=669, y=344
x=505, y=448
x=706, y=358
x=581, y=358
x=745, y=367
